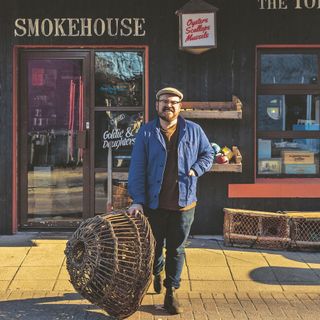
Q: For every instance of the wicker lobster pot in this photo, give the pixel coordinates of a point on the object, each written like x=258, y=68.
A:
x=110, y=260
x=305, y=230
x=256, y=229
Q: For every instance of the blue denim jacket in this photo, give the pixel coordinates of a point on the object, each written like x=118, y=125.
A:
x=148, y=161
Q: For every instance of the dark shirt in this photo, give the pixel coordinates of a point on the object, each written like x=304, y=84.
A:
x=169, y=193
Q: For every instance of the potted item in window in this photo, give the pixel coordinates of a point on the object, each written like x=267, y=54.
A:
x=269, y=166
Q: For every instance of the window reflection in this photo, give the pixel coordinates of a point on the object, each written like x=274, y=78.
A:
x=289, y=69
x=118, y=79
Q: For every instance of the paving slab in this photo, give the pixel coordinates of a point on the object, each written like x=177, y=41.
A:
x=31, y=285
x=209, y=273
x=243, y=258
x=256, y=286
x=218, y=282
x=213, y=286
x=37, y=273
x=39, y=259
x=205, y=257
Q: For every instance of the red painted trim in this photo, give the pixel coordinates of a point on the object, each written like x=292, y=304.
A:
x=255, y=116
x=280, y=190
x=15, y=106
x=14, y=142
x=284, y=46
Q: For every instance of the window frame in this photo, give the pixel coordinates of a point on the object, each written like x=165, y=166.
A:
x=284, y=89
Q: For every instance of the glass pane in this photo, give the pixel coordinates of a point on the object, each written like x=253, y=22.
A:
x=289, y=69
x=118, y=79
x=55, y=115
x=288, y=156
x=288, y=112
x=120, y=197
x=119, y=129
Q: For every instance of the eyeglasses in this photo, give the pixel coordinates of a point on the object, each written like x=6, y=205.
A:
x=173, y=103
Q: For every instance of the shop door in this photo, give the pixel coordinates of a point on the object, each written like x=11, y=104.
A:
x=53, y=125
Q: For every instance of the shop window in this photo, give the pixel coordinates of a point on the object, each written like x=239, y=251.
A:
x=119, y=113
x=288, y=114
x=118, y=79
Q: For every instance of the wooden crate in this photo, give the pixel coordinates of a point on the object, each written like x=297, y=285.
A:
x=230, y=167
x=256, y=229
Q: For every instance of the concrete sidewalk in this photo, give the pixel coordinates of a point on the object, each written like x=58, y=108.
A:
x=218, y=282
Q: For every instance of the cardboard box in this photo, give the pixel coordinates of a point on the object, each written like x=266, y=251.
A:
x=297, y=157
x=264, y=149
x=300, y=169
x=269, y=166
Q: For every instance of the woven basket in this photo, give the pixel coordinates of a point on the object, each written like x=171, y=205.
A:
x=110, y=260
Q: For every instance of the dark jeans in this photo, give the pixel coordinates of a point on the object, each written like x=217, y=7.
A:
x=170, y=229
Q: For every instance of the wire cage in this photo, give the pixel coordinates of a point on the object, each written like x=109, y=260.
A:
x=305, y=230
x=109, y=259
x=256, y=229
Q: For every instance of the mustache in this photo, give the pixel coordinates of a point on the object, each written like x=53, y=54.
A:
x=168, y=109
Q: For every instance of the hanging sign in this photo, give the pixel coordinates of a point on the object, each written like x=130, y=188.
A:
x=198, y=30
x=197, y=27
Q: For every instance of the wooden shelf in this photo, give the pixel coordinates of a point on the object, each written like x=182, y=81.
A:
x=212, y=109
x=211, y=114
x=230, y=167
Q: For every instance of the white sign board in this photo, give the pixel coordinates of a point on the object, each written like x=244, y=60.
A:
x=198, y=30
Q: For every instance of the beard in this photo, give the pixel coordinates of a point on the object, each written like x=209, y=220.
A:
x=168, y=114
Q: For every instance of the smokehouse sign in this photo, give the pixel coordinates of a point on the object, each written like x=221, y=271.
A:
x=79, y=27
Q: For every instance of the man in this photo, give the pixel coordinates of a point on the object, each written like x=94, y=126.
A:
x=168, y=156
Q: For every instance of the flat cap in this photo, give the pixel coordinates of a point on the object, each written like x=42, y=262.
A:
x=169, y=90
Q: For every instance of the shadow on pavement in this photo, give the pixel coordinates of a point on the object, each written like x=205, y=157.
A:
x=51, y=308
x=286, y=276
x=29, y=239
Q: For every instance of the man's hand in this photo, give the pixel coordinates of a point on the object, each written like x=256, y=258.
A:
x=192, y=173
x=135, y=208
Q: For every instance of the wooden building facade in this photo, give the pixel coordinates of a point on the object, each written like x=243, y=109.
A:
x=78, y=78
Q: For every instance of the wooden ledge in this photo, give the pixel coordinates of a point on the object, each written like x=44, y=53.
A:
x=212, y=109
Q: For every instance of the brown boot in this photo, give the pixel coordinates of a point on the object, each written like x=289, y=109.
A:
x=158, y=282
x=171, y=302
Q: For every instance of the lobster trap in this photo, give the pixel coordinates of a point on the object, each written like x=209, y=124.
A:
x=305, y=230
x=109, y=259
x=256, y=229
x=272, y=230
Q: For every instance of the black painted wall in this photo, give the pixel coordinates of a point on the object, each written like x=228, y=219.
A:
x=214, y=75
